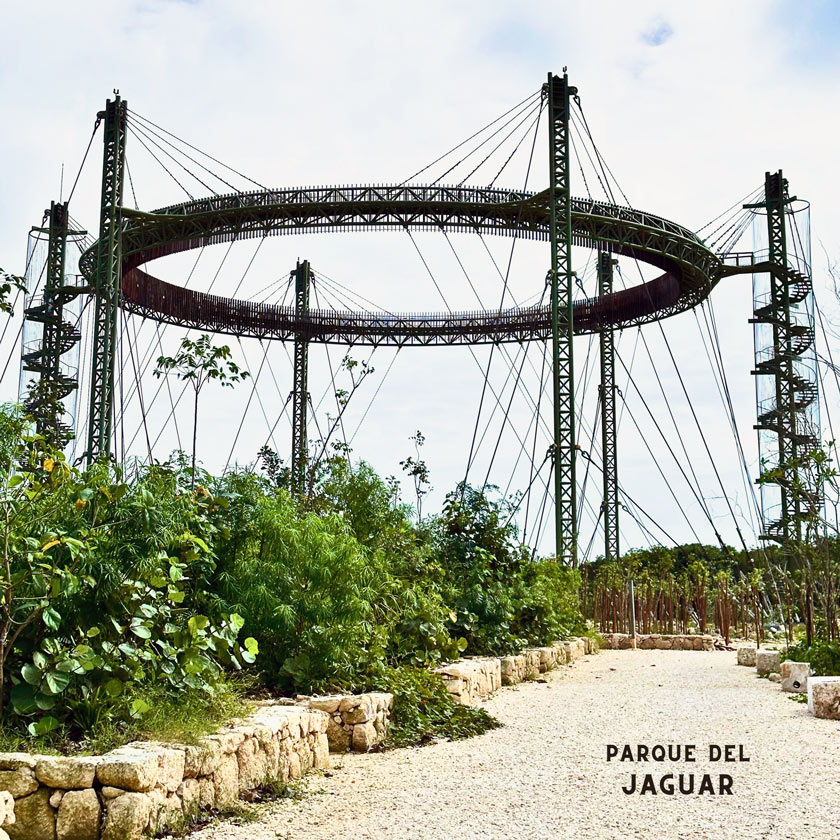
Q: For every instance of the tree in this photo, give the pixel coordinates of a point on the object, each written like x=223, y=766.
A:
x=342, y=400
x=419, y=472
x=7, y=283
x=197, y=362
x=812, y=479
x=45, y=405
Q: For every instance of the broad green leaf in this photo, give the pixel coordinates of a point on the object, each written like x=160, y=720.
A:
x=139, y=707
x=114, y=687
x=56, y=681
x=43, y=726
x=197, y=623
x=31, y=674
x=44, y=702
x=23, y=699
x=68, y=666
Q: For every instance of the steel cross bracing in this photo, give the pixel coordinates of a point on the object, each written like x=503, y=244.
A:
x=793, y=392
x=106, y=273
x=558, y=93
x=609, y=426
x=53, y=281
x=300, y=450
x=55, y=380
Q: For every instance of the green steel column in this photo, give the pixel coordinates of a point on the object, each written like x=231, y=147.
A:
x=558, y=93
x=775, y=195
x=608, y=416
x=44, y=400
x=783, y=419
x=107, y=283
x=300, y=453
x=53, y=281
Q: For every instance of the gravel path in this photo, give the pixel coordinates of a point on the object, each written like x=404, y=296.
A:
x=545, y=775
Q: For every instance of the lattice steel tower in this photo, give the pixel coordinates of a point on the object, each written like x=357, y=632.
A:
x=300, y=395
x=558, y=93
x=609, y=426
x=50, y=336
x=787, y=394
x=106, y=286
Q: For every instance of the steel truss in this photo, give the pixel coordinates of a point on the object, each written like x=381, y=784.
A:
x=794, y=391
x=55, y=379
x=130, y=239
x=691, y=268
x=106, y=271
x=300, y=395
x=560, y=278
x=609, y=426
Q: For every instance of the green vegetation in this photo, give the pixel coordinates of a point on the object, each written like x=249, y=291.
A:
x=104, y=614
x=770, y=592
x=824, y=657
x=147, y=601
x=344, y=591
x=423, y=709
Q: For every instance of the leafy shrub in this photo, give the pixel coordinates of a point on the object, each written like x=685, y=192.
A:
x=98, y=601
x=502, y=599
x=824, y=657
x=424, y=709
x=547, y=604
x=409, y=603
x=304, y=586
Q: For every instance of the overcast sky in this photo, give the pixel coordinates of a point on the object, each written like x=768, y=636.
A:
x=689, y=103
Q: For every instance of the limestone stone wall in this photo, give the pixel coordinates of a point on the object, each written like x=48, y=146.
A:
x=473, y=679
x=656, y=641
x=144, y=788
x=357, y=722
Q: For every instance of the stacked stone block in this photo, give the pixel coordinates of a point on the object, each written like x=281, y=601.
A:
x=824, y=697
x=470, y=680
x=7, y=813
x=794, y=676
x=768, y=661
x=144, y=788
x=657, y=641
x=357, y=722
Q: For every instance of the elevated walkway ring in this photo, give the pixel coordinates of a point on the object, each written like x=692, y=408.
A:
x=690, y=268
